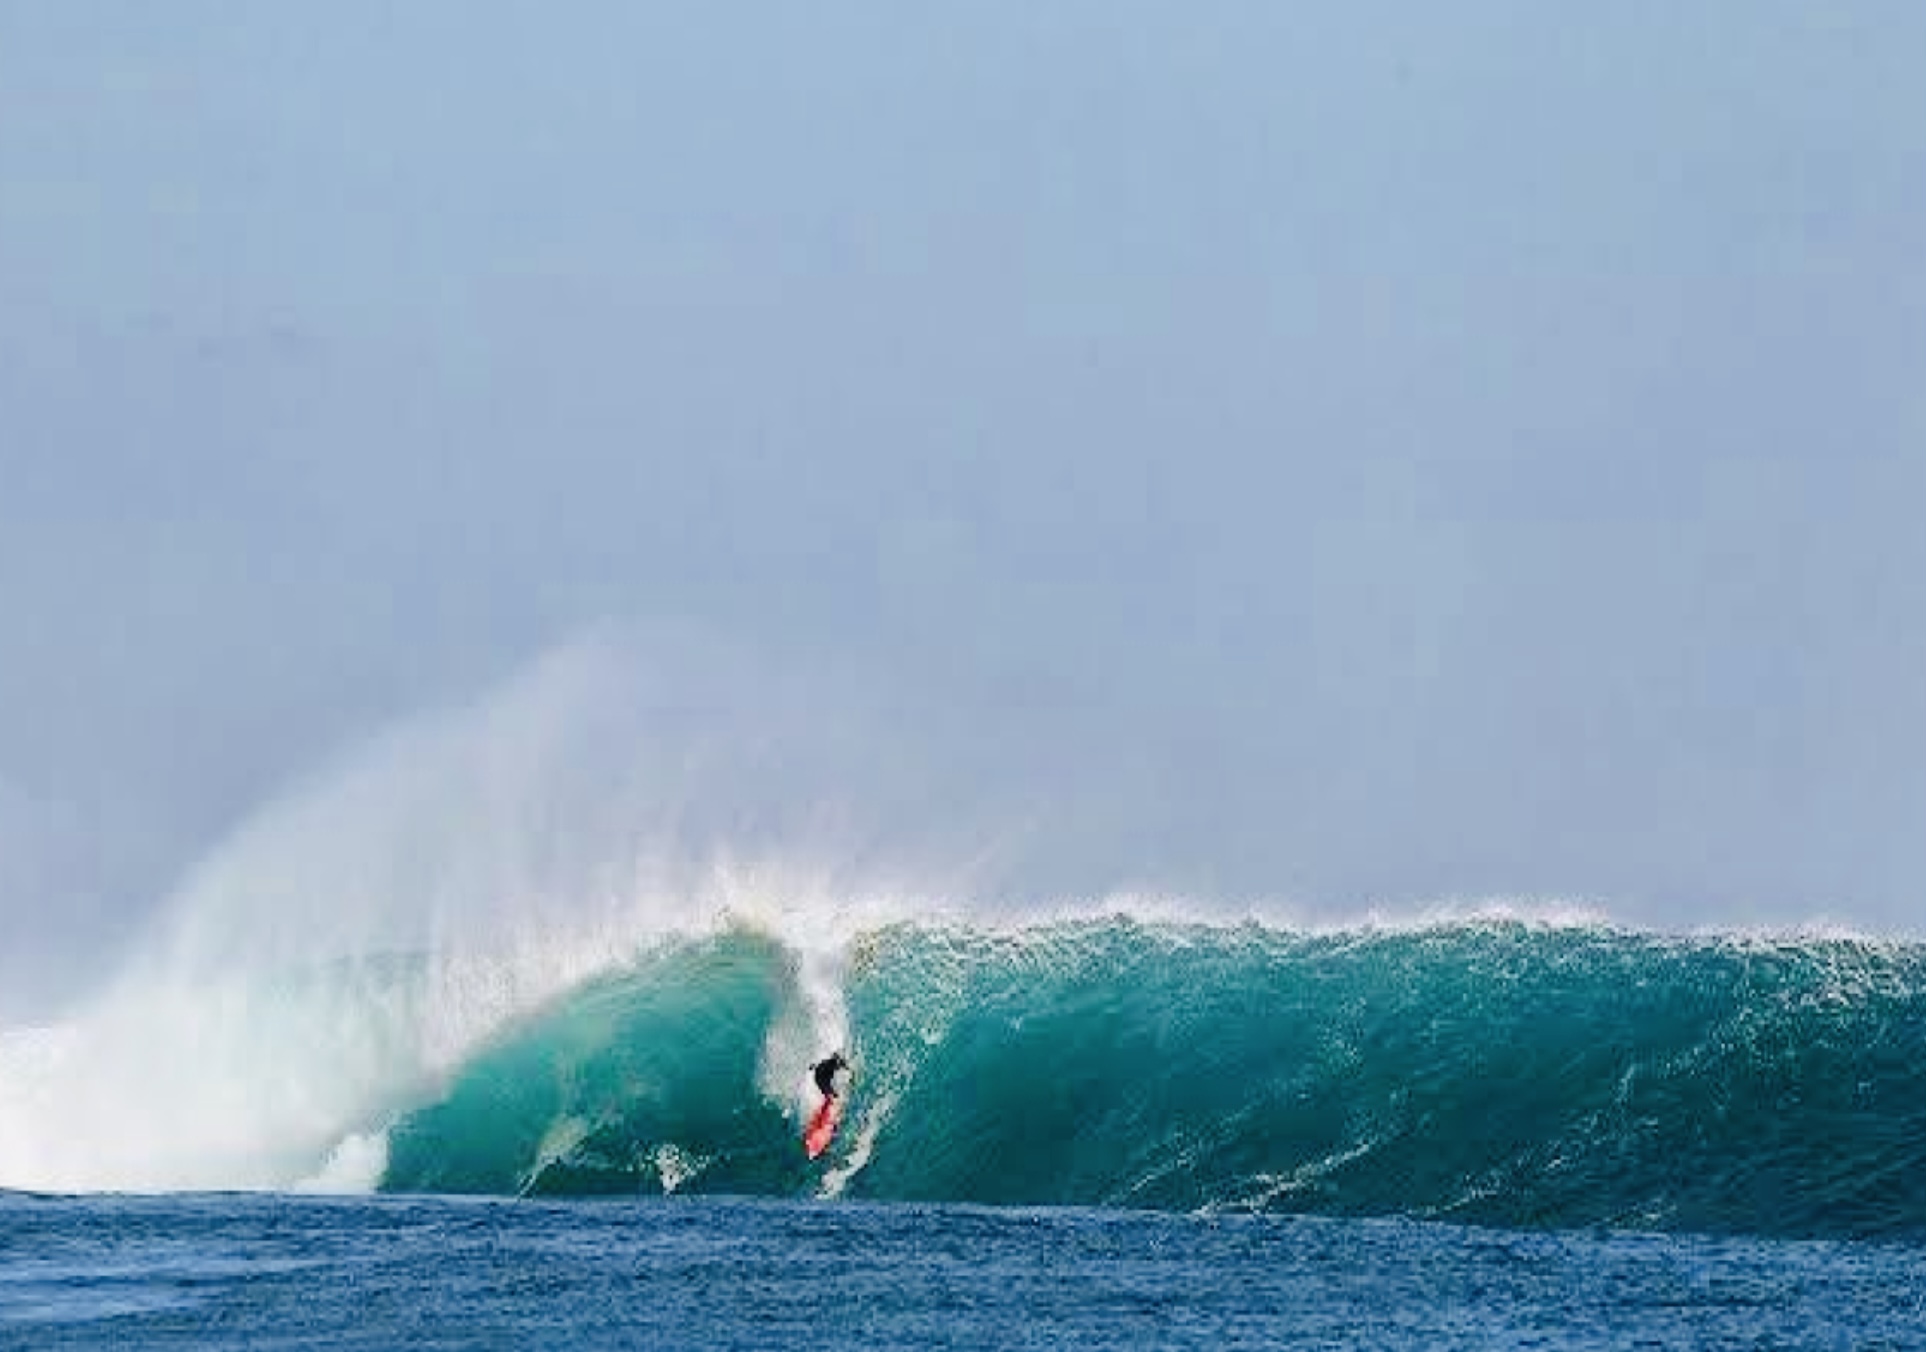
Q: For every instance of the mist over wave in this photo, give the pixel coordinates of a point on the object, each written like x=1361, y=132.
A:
x=347, y=946
x=586, y=934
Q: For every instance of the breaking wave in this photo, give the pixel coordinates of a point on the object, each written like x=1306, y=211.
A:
x=490, y=953
x=1496, y=1072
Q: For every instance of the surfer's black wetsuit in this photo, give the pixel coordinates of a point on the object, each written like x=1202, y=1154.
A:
x=825, y=1073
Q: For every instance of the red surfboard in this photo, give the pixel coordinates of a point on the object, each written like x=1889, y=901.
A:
x=822, y=1127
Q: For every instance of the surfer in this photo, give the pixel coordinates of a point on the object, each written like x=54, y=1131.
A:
x=822, y=1123
x=825, y=1073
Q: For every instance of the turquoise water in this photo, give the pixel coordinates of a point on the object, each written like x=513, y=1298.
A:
x=380, y=1273
x=1494, y=1073
x=1097, y=1133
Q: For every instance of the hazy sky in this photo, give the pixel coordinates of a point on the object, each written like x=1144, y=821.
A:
x=1353, y=452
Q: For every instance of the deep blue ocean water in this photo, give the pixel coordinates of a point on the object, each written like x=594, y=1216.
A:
x=269, y=1271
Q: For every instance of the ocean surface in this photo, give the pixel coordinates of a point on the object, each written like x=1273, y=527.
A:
x=1098, y=1131
x=279, y=1271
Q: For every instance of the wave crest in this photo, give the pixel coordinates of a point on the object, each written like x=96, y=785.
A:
x=1493, y=1071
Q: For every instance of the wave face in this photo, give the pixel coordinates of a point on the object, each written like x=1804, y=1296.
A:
x=637, y=1079
x=1492, y=1072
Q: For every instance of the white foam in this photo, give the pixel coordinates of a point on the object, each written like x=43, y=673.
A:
x=867, y=1129
x=675, y=1166
x=355, y=1165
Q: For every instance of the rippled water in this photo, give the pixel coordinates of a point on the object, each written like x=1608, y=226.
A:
x=274, y=1271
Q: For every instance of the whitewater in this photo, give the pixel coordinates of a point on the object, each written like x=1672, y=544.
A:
x=453, y=963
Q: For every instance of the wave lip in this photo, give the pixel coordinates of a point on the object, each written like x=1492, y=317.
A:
x=1495, y=1071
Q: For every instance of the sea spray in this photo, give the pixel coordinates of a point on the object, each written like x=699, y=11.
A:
x=497, y=950
x=355, y=941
